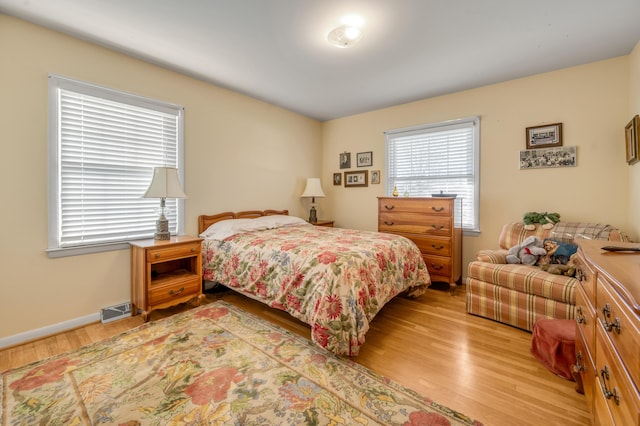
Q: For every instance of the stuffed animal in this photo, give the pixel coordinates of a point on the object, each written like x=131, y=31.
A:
x=547, y=220
x=553, y=268
x=526, y=253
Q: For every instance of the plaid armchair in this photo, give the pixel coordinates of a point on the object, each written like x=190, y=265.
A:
x=518, y=294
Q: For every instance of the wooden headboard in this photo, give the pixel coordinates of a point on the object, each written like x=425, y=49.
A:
x=205, y=221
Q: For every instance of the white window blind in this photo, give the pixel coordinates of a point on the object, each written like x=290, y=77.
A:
x=435, y=158
x=104, y=145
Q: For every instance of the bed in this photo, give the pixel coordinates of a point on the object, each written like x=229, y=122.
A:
x=335, y=280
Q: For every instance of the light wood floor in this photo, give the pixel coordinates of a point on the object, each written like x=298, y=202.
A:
x=479, y=367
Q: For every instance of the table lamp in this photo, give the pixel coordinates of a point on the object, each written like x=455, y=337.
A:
x=313, y=190
x=165, y=184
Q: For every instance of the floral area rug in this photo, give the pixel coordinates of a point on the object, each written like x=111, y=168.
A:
x=212, y=365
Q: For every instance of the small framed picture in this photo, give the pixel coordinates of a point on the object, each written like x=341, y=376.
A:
x=353, y=179
x=632, y=140
x=337, y=179
x=547, y=136
x=375, y=177
x=345, y=160
x=365, y=159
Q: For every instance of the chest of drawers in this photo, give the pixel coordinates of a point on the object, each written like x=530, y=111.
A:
x=433, y=224
x=608, y=337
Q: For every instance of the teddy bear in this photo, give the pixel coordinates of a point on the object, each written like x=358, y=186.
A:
x=526, y=253
x=547, y=220
x=569, y=269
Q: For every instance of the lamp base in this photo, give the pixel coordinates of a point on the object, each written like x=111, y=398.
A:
x=312, y=215
x=162, y=229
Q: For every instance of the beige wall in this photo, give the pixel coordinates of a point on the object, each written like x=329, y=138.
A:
x=592, y=103
x=239, y=154
x=634, y=108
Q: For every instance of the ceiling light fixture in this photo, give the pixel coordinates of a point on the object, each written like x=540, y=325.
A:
x=345, y=36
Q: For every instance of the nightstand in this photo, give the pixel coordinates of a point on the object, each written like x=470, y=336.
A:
x=327, y=223
x=165, y=273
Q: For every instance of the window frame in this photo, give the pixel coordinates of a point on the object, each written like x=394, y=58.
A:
x=474, y=121
x=57, y=82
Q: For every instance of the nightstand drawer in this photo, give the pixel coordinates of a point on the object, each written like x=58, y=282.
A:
x=167, y=293
x=162, y=254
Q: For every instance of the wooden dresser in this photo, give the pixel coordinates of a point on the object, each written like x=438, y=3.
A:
x=434, y=224
x=608, y=335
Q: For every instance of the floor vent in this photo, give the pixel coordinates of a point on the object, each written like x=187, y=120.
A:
x=116, y=312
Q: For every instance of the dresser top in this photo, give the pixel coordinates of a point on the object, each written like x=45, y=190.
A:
x=621, y=268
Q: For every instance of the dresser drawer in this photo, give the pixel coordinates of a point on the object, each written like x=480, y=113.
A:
x=438, y=265
x=168, y=293
x=161, y=254
x=621, y=330
x=586, y=319
x=614, y=386
x=414, y=223
x=433, y=245
x=586, y=368
x=587, y=276
x=431, y=206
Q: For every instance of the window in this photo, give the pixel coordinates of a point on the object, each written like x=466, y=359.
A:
x=103, y=146
x=437, y=157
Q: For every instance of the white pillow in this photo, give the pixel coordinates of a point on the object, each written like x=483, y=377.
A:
x=223, y=229
x=278, y=221
x=226, y=228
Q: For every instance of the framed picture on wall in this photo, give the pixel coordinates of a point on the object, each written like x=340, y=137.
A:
x=375, y=177
x=354, y=179
x=631, y=139
x=345, y=160
x=365, y=159
x=337, y=178
x=547, y=136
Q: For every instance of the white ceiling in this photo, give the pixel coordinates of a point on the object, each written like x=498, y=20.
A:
x=276, y=50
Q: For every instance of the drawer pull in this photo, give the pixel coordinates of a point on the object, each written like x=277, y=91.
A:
x=389, y=223
x=157, y=255
x=176, y=293
x=437, y=247
x=437, y=209
x=389, y=207
x=581, y=275
x=604, y=375
x=581, y=318
x=193, y=250
x=579, y=365
x=606, y=311
x=436, y=266
x=438, y=227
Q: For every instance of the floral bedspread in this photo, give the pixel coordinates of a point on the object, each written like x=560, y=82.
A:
x=336, y=280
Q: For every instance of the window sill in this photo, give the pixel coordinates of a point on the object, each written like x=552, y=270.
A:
x=54, y=253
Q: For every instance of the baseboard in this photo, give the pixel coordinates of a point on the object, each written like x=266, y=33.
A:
x=49, y=330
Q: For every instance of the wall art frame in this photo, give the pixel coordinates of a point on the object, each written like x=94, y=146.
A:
x=632, y=140
x=546, y=136
x=345, y=160
x=364, y=159
x=375, y=177
x=355, y=179
x=562, y=156
x=337, y=179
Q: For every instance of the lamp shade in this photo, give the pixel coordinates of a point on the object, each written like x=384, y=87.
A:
x=313, y=188
x=165, y=184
